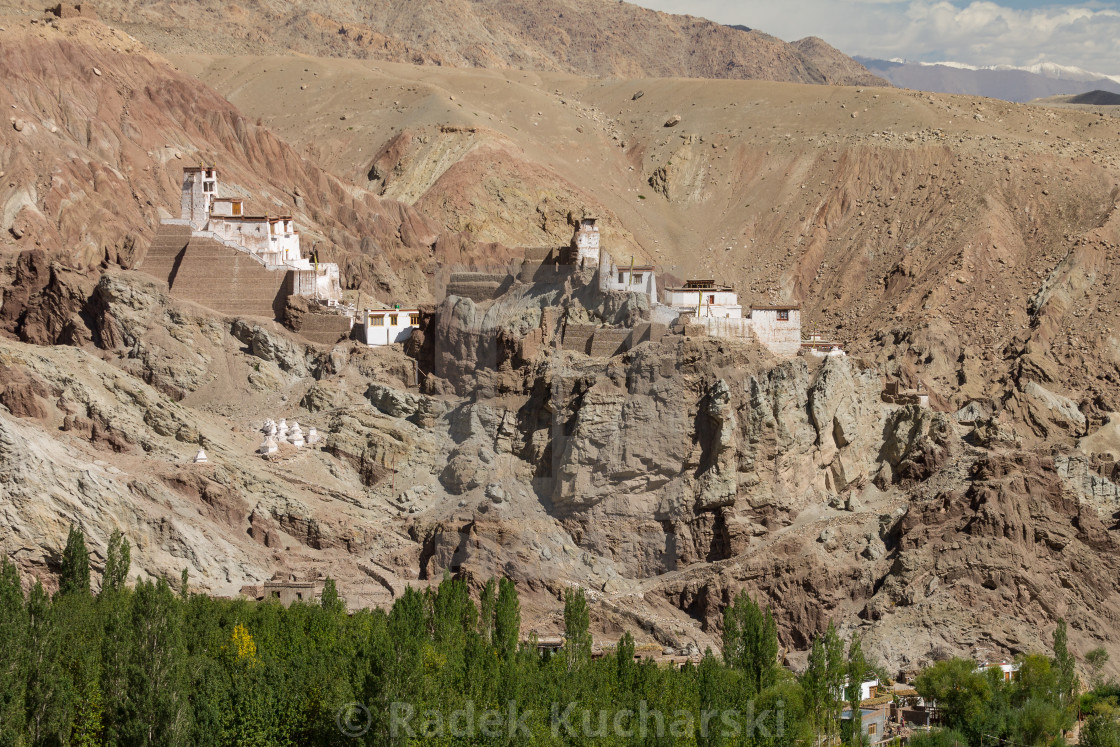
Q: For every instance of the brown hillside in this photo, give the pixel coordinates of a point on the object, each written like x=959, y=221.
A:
x=898, y=219
x=597, y=38
x=92, y=153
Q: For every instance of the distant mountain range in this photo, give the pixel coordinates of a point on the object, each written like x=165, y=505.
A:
x=999, y=81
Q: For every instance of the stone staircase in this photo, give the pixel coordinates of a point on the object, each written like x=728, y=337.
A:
x=166, y=251
x=229, y=281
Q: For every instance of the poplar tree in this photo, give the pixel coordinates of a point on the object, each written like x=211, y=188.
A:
x=74, y=576
x=577, y=629
x=750, y=642
x=834, y=678
x=1064, y=664
x=487, y=599
x=814, y=683
x=117, y=561
x=13, y=661
x=857, y=671
x=507, y=619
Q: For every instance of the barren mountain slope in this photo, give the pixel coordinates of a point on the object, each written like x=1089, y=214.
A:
x=587, y=37
x=949, y=238
x=97, y=135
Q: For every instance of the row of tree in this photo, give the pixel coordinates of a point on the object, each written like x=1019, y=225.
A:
x=146, y=665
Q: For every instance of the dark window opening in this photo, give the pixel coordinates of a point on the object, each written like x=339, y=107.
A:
x=783, y=315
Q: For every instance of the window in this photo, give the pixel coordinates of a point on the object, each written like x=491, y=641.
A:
x=299, y=596
x=275, y=595
x=414, y=320
x=208, y=186
x=638, y=279
x=711, y=299
x=392, y=320
x=237, y=208
x=871, y=729
x=621, y=277
x=783, y=315
x=376, y=320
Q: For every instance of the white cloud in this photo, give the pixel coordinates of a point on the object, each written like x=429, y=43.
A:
x=980, y=33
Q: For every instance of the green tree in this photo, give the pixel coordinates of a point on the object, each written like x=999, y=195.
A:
x=1097, y=659
x=857, y=672
x=835, y=672
x=750, y=642
x=577, y=630
x=156, y=673
x=74, y=576
x=1065, y=665
x=487, y=600
x=329, y=600
x=13, y=654
x=1100, y=730
x=959, y=689
x=118, y=558
x=814, y=683
x=624, y=661
x=507, y=619
x=939, y=738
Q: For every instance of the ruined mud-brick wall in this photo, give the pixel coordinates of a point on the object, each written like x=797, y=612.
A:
x=325, y=329
x=577, y=337
x=477, y=286
x=83, y=10
x=606, y=342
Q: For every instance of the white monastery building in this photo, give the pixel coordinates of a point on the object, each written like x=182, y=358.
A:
x=387, y=326
x=705, y=298
x=271, y=240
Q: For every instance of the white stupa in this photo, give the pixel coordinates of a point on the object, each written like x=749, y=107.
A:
x=200, y=457
x=282, y=430
x=268, y=447
x=312, y=436
x=268, y=427
x=295, y=435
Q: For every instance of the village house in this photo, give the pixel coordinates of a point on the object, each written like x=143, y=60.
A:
x=287, y=589
x=387, y=326
x=629, y=278
x=873, y=723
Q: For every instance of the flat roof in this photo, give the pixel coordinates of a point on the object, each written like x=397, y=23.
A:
x=229, y=199
x=777, y=307
x=716, y=288
x=391, y=311
x=635, y=268
x=200, y=168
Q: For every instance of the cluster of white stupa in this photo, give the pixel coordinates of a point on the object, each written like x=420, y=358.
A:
x=278, y=433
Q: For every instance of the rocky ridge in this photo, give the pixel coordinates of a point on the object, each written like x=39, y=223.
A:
x=593, y=38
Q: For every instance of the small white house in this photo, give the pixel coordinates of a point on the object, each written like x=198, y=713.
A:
x=1009, y=671
x=705, y=298
x=387, y=326
x=629, y=278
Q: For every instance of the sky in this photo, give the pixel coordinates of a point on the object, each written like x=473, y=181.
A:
x=1009, y=32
